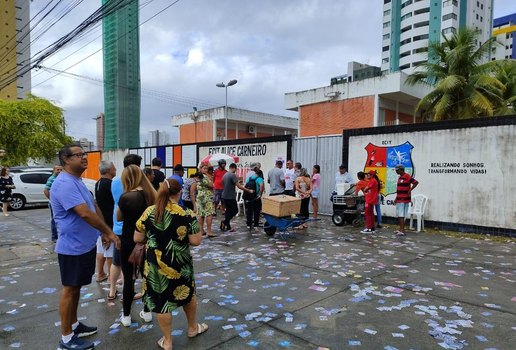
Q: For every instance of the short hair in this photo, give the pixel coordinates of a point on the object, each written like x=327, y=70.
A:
x=298, y=165
x=148, y=171
x=66, y=152
x=361, y=175
x=279, y=162
x=232, y=166
x=156, y=162
x=104, y=166
x=342, y=166
x=132, y=159
x=179, y=167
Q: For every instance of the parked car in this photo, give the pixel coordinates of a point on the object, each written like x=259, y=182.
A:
x=30, y=184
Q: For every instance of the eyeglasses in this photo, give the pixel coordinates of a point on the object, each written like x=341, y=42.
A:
x=79, y=155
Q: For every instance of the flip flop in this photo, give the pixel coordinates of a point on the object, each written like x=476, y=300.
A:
x=201, y=328
x=211, y=236
x=102, y=279
x=113, y=297
x=160, y=344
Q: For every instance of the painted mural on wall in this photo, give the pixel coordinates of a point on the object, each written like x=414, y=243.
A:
x=383, y=159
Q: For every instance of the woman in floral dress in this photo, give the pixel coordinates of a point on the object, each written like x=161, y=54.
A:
x=169, y=283
x=205, y=208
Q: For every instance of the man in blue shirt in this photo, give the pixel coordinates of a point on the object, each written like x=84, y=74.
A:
x=78, y=221
x=116, y=190
x=179, y=171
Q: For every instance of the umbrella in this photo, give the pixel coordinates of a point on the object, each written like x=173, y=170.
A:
x=213, y=159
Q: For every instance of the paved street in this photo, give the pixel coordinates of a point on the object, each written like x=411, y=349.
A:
x=328, y=287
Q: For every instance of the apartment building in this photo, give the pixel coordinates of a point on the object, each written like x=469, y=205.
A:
x=504, y=29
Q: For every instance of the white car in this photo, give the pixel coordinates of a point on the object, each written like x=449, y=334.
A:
x=30, y=185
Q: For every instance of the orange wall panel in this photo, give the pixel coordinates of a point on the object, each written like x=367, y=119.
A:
x=328, y=118
x=390, y=116
x=196, y=132
x=92, y=172
x=177, y=155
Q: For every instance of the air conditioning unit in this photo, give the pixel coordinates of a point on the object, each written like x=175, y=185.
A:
x=251, y=129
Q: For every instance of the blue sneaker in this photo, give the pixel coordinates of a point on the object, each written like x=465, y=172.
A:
x=84, y=331
x=76, y=344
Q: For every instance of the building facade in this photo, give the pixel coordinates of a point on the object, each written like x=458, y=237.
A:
x=409, y=26
x=121, y=50
x=14, y=49
x=210, y=125
x=377, y=101
x=504, y=29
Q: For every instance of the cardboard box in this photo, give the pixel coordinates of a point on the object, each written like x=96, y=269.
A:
x=281, y=205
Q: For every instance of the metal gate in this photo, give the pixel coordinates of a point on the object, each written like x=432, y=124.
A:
x=325, y=151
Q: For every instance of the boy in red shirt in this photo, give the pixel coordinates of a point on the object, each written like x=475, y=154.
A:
x=371, y=199
x=404, y=187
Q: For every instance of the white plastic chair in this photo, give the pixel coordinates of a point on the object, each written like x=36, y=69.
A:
x=240, y=201
x=417, y=210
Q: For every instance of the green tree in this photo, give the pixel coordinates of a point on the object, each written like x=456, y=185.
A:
x=30, y=129
x=505, y=72
x=463, y=86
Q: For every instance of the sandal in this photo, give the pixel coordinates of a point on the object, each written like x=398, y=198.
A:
x=160, y=344
x=201, y=328
x=102, y=279
x=112, y=297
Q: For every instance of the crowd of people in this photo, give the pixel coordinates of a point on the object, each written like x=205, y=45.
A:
x=168, y=215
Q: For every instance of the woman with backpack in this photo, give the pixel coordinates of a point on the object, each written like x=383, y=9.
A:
x=253, y=201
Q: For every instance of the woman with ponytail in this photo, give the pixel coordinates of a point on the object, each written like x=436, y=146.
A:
x=138, y=195
x=169, y=283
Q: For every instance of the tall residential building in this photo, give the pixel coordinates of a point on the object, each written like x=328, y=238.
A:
x=14, y=49
x=504, y=29
x=121, y=50
x=100, y=131
x=158, y=138
x=409, y=25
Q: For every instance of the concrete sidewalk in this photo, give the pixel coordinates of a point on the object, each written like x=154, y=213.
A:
x=329, y=287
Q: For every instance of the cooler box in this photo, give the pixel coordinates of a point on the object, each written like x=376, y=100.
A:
x=281, y=205
x=342, y=188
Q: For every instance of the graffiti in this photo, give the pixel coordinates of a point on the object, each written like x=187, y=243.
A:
x=383, y=160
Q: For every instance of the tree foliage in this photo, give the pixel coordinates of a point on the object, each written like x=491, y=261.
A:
x=505, y=72
x=30, y=129
x=463, y=86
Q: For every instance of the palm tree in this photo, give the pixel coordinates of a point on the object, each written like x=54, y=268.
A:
x=463, y=86
x=505, y=72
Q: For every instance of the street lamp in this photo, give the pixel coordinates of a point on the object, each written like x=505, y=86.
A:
x=222, y=85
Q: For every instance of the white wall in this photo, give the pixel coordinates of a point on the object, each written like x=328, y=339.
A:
x=483, y=194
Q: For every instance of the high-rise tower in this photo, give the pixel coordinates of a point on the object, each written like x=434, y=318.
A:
x=409, y=25
x=14, y=49
x=121, y=49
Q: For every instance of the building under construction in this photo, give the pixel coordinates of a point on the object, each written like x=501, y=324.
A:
x=121, y=48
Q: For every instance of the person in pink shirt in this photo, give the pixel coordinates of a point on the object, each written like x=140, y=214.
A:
x=218, y=186
x=371, y=199
x=316, y=184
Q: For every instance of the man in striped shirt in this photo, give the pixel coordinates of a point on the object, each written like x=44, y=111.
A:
x=404, y=187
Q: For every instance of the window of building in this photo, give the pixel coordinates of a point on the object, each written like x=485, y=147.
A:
x=405, y=66
x=420, y=37
x=404, y=17
x=420, y=11
x=450, y=3
x=405, y=54
x=385, y=60
x=406, y=41
x=405, y=29
x=406, y=3
x=385, y=48
x=449, y=30
x=387, y=12
x=477, y=17
x=421, y=24
x=387, y=24
x=415, y=64
x=420, y=50
x=449, y=16
x=386, y=36
x=386, y=1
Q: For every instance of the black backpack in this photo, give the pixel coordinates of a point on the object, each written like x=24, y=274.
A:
x=250, y=185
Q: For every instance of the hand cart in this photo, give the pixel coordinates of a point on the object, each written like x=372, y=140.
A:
x=282, y=224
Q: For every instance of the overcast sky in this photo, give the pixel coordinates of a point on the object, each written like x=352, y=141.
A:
x=270, y=46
